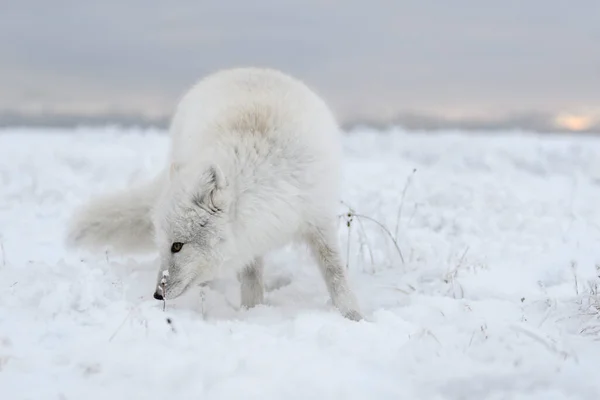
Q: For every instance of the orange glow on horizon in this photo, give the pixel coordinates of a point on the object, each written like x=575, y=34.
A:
x=573, y=122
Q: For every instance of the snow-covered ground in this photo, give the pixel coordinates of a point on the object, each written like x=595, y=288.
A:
x=496, y=299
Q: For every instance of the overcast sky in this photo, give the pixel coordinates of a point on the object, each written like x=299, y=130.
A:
x=376, y=59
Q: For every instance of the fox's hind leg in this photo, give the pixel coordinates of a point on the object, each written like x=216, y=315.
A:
x=324, y=246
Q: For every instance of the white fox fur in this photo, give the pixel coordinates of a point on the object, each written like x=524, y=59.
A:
x=254, y=165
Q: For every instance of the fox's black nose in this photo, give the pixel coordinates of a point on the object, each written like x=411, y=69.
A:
x=158, y=296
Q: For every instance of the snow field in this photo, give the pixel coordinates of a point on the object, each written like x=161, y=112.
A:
x=496, y=298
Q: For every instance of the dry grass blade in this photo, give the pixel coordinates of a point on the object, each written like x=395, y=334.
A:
x=549, y=343
x=399, y=215
x=363, y=233
x=121, y=325
x=362, y=237
x=349, y=225
x=574, y=271
x=351, y=214
x=386, y=230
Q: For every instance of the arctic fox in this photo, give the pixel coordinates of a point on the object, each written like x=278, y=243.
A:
x=254, y=164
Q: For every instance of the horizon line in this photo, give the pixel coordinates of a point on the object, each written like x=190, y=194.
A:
x=527, y=122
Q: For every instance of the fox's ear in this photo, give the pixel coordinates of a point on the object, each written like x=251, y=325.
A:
x=216, y=177
x=211, y=193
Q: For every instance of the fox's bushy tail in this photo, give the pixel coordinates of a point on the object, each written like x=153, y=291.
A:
x=121, y=221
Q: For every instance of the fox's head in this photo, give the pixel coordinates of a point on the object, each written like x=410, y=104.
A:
x=192, y=228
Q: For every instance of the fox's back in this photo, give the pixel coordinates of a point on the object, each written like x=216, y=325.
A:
x=251, y=101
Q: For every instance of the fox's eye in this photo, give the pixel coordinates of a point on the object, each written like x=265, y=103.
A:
x=176, y=247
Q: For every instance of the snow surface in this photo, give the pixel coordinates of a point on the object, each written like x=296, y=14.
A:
x=497, y=298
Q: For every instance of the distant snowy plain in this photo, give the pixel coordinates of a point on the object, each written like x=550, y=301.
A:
x=497, y=297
